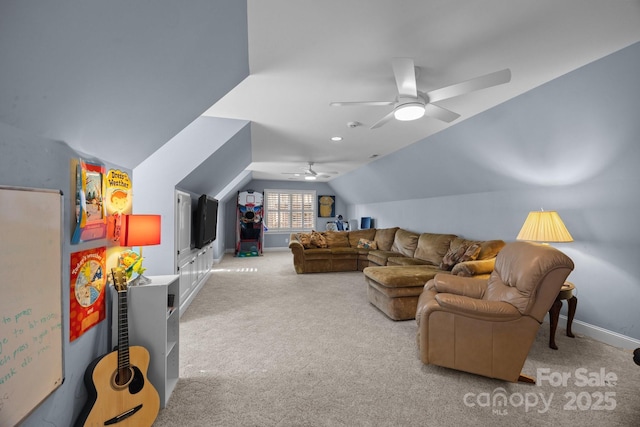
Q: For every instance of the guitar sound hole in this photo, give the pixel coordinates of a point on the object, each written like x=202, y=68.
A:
x=131, y=377
x=123, y=377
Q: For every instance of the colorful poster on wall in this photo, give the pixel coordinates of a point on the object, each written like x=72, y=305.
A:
x=91, y=217
x=118, y=200
x=326, y=206
x=88, y=282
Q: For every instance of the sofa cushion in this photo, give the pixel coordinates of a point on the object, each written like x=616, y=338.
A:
x=318, y=239
x=343, y=252
x=367, y=244
x=490, y=248
x=355, y=236
x=401, y=276
x=384, y=238
x=404, y=260
x=460, y=251
x=433, y=247
x=405, y=242
x=337, y=239
x=317, y=254
x=477, y=268
x=378, y=257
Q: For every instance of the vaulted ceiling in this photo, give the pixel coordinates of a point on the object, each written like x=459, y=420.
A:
x=305, y=54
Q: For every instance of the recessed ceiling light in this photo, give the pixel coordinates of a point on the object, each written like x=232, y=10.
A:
x=336, y=138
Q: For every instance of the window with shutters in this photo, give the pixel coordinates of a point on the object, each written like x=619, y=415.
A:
x=290, y=210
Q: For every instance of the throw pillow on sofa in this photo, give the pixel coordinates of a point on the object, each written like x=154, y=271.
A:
x=462, y=253
x=318, y=239
x=305, y=240
x=356, y=235
x=367, y=244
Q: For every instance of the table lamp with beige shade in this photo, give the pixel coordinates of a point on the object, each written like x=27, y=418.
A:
x=547, y=227
x=544, y=227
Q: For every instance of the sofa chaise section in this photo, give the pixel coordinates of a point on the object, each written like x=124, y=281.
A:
x=396, y=287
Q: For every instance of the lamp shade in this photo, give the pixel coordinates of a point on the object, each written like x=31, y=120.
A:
x=140, y=230
x=544, y=226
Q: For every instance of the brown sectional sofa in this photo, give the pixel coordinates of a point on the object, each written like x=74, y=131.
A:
x=396, y=262
x=341, y=252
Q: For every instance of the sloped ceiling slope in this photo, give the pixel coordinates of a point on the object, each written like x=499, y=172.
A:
x=117, y=79
x=221, y=167
x=566, y=132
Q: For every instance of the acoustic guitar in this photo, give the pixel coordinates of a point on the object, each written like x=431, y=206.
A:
x=119, y=392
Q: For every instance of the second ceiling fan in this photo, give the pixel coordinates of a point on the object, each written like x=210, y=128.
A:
x=309, y=173
x=411, y=104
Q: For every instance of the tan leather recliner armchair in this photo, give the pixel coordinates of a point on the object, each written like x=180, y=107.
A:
x=487, y=326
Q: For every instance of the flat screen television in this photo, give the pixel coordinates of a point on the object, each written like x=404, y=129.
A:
x=205, y=221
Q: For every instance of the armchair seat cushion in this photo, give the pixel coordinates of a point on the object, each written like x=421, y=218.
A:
x=478, y=308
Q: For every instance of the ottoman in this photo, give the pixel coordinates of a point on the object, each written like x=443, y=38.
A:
x=395, y=290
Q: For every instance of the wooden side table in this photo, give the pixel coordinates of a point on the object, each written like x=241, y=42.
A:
x=566, y=293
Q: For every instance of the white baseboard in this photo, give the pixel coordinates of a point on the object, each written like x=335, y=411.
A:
x=600, y=334
x=275, y=249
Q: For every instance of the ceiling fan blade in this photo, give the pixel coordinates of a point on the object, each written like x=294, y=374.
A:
x=440, y=113
x=404, y=71
x=482, y=82
x=383, y=120
x=363, y=103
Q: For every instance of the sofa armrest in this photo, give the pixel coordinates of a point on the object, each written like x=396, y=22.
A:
x=295, y=245
x=474, y=268
x=463, y=286
x=478, y=308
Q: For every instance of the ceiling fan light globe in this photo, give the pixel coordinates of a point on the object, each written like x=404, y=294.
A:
x=408, y=112
x=310, y=177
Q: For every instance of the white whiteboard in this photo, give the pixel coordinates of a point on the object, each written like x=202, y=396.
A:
x=30, y=300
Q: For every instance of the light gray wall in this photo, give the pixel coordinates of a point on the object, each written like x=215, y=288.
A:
x=571, y=145
x=32, y=161
x=117, y=78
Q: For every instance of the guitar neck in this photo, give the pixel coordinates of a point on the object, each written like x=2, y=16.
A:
x=123, y=331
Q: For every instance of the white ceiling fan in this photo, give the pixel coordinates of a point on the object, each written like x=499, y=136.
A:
x=411, y=104
x=309, y=173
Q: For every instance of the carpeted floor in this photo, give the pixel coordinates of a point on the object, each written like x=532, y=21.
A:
x=263, y=346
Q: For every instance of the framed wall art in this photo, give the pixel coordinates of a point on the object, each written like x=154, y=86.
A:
x=91, y=214
x=326, y=206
